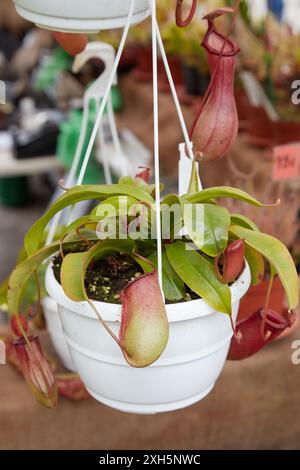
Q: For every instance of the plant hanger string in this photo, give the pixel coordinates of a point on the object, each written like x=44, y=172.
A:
x=156, y=41
x=105, y=96
x=174, y=94
x=97, y=123
x=180, y=22
x=156, y=142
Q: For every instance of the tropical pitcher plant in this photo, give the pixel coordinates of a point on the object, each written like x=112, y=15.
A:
x=204, y=247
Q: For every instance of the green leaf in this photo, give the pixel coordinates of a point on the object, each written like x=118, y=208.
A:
x=223, y=191
x=208, y=226
x=194, y=184
x=277, y=255
x=3, y=292
x=173, y=286
x=138, y=183
x=121, y=205
x=256, y=264
x=23, y=271
x=196, y=272
x=147, y=266
x=171, y=216
x=79, y=193
x=78, y=223
x=243, y=221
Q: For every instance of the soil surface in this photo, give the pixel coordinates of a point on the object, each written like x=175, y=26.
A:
x=105, y=279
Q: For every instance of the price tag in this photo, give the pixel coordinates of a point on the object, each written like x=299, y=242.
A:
x=286, y=161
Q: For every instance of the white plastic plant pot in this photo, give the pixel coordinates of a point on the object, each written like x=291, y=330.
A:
x=82, y=16
x=56, y=333
x=185, y=373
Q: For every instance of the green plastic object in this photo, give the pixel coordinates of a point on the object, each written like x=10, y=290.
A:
x=14, y=191
x=59, y=62
x=116, y=98
x=48, y=72
x=67, y=144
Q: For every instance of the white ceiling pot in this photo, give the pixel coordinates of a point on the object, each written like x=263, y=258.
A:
x=81, y=16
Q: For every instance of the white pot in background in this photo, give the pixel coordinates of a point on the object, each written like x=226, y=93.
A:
x=185, y=373
x=56, y=333
x=81, y=15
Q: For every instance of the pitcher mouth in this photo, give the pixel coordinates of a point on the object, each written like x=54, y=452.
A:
x=230, y=50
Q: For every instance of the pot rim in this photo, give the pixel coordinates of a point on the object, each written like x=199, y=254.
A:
x=112, y=312
x=64, y=20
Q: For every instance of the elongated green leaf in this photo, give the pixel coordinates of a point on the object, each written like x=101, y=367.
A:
x=256, y=264
x=3, y=292
x=171, y=216
x=243, y=221
x=173, y=286
x=199, y=275
x=146, y=265
x=194, y=184
x=223, y=191
x=74, y=265
x=79, y=193
x=138, y=183
x=23, y=271
x=277, y=255
x=78, y=223
x=120, y=204
x=128, y=215
x=208, y=226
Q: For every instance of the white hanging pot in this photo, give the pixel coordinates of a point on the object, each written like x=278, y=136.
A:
x=56, y=333
x=88, y=16
x=185, y=373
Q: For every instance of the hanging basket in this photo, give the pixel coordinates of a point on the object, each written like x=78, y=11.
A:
x=185, y=373
x=55, y=331
x=88, y=16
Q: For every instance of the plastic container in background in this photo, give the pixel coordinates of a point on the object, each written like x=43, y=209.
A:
x=14, y=191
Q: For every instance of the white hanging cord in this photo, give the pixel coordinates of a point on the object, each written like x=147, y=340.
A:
x=115, y=136
x=174, y=94
x=156, y=142
x=75, y=164
x=104, y=156
x=72, y=173
x=106, y=95
x=76, y=161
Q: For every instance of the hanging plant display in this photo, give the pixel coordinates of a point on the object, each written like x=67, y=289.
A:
x=148, y=287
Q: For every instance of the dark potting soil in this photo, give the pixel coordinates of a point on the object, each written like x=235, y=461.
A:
x=105, y=279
